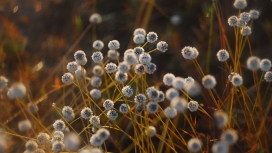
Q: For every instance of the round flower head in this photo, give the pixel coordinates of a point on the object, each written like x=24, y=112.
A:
x=96, y=81
x=208, y=81
x=189, y=52
x=124, y=108
x=97, y=57
x=95, y=94
x=111, y=68
x=58, y=135
x=178, y=82
x=17, y=90
x=189, y=80
x=98, y=70
x=80, y=57
x=161, y=97
x=114, y=45
x=222, y=55
x=121, y=77
x=68, y=113
x=145, y=58
x=233, y=21
x=253, y=63
x=138, y=51
x=86, y=113
x=57, y=146
x=95, y=121
x=140, y=99
x=38, y=150
x=152, y=107
x=72, y=66
x=221, y=118
x=103, y=134
x=3, y=82
x=112, y=114
x=139, y=69
x=113, y=54
x=24, y=125
x=152, y=93
x=162, y=46
x=194, y=145
x=43, y=138
x=72, y=142
x=92, y=150
x=236, y=80
x=192, y=89
x=128, y=51
x=171, y=94
x=32, y=107
x=254, y=14
x=245, y=16
x=170, y=112
x=246, y=31
x=220, y=147
x=80, y=72
x=265, y=65
x=240, y=4
x=230, y=136
x=139, y=109
x=139, y=39
x=123, y=67
x=98, y=44
x=59, y=125
x=127, y=91
x=268, y=76
x=108, y=104
x=131, y=58
x=241, y=23
x=168, y=79
x=96, y=141
x=150, y=68
x=95, y=18
x=150, y=131
x=151, y=37
x=140, y=31
x=180, y=104
x=193, y=106
x=31, y=145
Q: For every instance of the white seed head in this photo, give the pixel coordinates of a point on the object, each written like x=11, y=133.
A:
x=246, y=31
x=140, y=31
x=233, y=21
x=139, y=39
x=189, y=80
x=245, y=16
x=95, y=141
x=97, y=57
x=43, y=138
x=113, y=54
x=241, y=23
x=209, y=81
x=139, y=69
x=98, y=70
x=32, y=107
x=95, y=94
x=236, y=80
x=128, y=51
x=168, y=79
x=98, y=44
x=72, y=66
x=221, y=118
x=24, y=125
x=130, y=58
x=127, y=91
x=152, y=93
x=112, y=114
x=162, y=46
x=253, y=63
x=121, y=77
x=254, y=14
x=194, y=145
x=58, y=146
x=230, y=136
x=150, y=68
x=161, y=97
x=140, y=99
x=96, y=81
x=123, y=67
x=268, y=76
x=150, y=131
x=220, y=147
x=151, y=37
x=189, y=52
x=111, y=68
x=3, y=82
x=171, y=94
x=59, y=125
x=95, y=120
x=103, y=134
x=170, y=112
x=178, y=83
x=138, y=51
x=222, y=55
x=95, y=18
x=114, y=45
x=91, y=150
x=145, y=58
x=17, y=90
x=67, y=78
x=72, y=141
x=179, y=103
x=139, y=109
x=68, y=113
x=58, y=135
x=240, y=4
x=86, y=113
x=80, y=72
x=193, y=106
x=265, y=65
x=124, y=108
x=152, y=107
x=31, y=145
x=192, y=89
x=80, y=57
x=108, y=104
x=175, y=20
